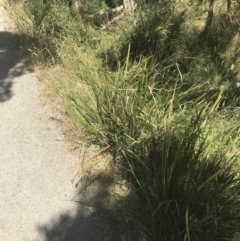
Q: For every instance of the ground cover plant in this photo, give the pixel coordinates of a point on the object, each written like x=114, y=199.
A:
x=164, y=149
x=159, y=91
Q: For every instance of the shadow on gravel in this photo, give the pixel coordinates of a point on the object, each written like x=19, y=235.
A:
x=91, y=223
x=12, y=64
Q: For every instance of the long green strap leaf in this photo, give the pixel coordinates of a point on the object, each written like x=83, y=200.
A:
x=210, y=178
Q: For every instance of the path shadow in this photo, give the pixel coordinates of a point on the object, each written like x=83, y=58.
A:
x=12, y=64
x=94, y=220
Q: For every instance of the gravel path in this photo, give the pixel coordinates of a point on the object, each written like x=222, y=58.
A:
x=35, y=168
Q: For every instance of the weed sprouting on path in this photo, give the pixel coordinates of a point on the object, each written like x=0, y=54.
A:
x=161, y=95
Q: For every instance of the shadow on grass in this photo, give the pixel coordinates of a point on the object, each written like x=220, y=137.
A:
x=95, y=220
x=12, y=64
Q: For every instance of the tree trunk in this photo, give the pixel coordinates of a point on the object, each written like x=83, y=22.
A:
x=128, y=6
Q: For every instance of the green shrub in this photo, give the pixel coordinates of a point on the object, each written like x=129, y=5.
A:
x=181, y=191
x=94, y=5
x=52, y=24
x=126, y=105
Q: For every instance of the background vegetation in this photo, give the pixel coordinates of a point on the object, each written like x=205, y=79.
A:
x=159, y=91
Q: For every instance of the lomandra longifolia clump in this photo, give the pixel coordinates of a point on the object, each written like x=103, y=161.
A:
x=180, y=191
x=179, y=188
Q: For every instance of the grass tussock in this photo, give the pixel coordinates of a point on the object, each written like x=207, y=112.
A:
x=159, y=92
